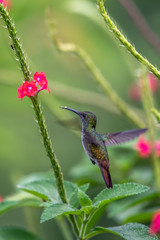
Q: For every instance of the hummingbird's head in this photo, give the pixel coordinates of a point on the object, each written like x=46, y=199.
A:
x=88, y=119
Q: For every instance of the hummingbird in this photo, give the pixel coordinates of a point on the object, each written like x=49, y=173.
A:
x=95, y=144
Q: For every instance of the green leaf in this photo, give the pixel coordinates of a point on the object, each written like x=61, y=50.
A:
x=7, y=205
x=72, y=193
x=57, y=210
x=130, y=231
x=87, y=209
x=119, y=191
x=84, y=187
x=13, y=233
x=74, y=200
x=85, y=202
x=43, y=188
x=46, y=189
x=132, y=209
x=95, y=217
x=19, y=200
x=84, y=199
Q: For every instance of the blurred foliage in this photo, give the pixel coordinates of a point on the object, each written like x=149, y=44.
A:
x=21, y=150
x=45, y=191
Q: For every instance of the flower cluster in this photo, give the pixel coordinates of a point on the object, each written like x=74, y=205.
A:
x=6, y=3
x=155, y=223
x=144, y=147
x=135, y=89
x=30, y=89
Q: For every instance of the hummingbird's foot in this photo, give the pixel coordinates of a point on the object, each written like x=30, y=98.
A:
x=93, y=162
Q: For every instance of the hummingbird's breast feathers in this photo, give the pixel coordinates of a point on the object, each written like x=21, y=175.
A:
x=97, y=152
x=94, y=146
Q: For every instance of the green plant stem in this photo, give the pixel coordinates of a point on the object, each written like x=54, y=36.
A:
x=124, y=41
x=38, y=112
x=15, y=42
x=55, y=164
x=83, y=227
x=156, y=113
x=48, y=146
x=92, y=234
x=72, y=48
x=62, y=224
x=148, y=105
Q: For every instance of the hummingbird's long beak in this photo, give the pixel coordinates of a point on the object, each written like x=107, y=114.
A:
x=70, y=109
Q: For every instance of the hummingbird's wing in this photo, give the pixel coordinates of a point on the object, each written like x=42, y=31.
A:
x=121, y=137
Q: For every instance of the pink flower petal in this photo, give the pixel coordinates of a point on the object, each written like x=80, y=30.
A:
x=153, y=82
x=40, y=79
x=143, y=147
x=6, y=3
x=30, y=88
x=27, y=89
x=155, y=223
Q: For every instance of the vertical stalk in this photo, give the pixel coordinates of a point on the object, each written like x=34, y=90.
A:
x=148, y=104
x=83, y=227
x=15, y=42
x=50, y=152
x=54, y=161
x=38, y=112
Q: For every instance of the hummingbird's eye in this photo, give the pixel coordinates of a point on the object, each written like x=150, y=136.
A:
x=84, y=115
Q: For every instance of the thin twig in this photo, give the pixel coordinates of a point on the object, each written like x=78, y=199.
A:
x=141, y=24
x=124, y=41
x=148, y=104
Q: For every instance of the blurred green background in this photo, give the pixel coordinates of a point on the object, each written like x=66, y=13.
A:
x=21, y=149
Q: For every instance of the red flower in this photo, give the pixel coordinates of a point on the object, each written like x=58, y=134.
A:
x=6, y=3
x=30, y=88
x=153, y=82
x=40, y=79
x=157, y=148
x=134, y=91
x=143, y=146
x=27, y=89
x=155, y=223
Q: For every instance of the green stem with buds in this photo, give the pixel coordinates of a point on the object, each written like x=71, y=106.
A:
x=15, y=42
x=38, y=112
x=49, y=149
x=112, y=26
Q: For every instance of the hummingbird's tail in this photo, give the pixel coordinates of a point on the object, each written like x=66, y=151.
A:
x=107, y=177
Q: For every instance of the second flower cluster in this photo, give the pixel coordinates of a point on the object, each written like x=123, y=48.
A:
x=30, y=88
